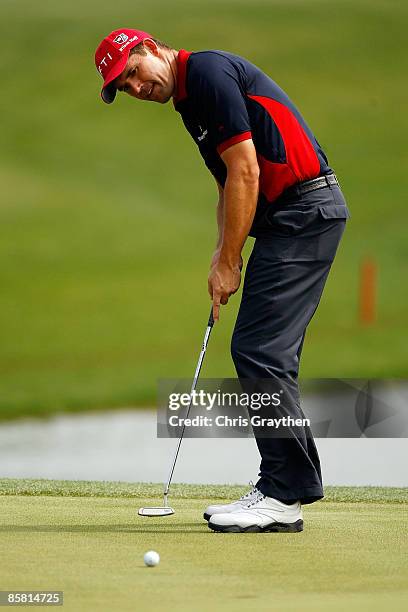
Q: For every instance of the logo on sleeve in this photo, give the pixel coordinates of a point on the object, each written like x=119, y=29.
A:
x=203, y=134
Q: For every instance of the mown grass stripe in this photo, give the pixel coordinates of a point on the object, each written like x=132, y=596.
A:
x=85, y=488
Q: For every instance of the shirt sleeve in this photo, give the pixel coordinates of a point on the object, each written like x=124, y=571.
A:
x=219, y=94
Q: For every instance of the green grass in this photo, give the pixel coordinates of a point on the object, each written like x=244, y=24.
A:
x=107, y=213
x=92, y=488
x=90, y=544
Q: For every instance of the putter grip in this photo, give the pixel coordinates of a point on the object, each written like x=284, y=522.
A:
x=211, y=319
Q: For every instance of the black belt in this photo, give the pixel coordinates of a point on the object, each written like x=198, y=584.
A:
x=318, y=183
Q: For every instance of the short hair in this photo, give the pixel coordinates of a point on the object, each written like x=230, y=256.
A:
x=140, y=48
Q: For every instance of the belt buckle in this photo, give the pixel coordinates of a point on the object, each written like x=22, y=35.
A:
x=331, y=179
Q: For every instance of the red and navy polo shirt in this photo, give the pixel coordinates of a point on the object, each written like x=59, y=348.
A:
x=223, y=99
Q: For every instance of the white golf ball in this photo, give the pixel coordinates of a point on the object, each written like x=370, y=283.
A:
x=151, y=558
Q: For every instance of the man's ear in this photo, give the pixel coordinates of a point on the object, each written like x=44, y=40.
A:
x=151, y=46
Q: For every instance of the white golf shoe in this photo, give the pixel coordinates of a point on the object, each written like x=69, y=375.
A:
x=260, y=515
x=233, y=506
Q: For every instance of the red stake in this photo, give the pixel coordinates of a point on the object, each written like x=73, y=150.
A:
x=368, y=291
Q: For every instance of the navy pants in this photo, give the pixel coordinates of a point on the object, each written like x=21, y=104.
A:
x=296, y=241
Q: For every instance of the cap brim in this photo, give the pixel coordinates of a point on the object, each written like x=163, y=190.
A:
x=108, y=92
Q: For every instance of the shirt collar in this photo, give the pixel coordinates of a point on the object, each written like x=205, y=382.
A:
x=181, y=92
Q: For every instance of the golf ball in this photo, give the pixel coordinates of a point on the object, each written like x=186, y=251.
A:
x=151, y=558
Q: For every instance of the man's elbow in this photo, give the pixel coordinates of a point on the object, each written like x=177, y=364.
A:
x=245, y=172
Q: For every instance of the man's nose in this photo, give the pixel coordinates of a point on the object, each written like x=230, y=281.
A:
x=138, y=87
x=135, y=88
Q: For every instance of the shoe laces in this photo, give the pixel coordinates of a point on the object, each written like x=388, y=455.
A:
x=258, y=497
x=250, y=493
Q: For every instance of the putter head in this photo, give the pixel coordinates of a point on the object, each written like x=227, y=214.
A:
x=157, y=511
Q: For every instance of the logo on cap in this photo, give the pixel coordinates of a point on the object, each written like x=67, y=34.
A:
x=104, y=63
x=121, y=38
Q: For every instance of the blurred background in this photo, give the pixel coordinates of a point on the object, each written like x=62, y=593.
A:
x=108, y=212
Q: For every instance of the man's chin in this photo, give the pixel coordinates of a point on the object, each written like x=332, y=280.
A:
x=164, y=99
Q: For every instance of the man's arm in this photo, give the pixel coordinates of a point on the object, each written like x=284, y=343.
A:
x=240, y=198
x=220, y=223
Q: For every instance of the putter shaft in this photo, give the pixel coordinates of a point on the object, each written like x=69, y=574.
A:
x=193, y=386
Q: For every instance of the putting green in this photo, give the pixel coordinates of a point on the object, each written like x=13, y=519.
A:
x=107, y=217
x=352, y=554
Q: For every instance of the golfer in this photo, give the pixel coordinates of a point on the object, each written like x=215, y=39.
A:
x=275, y=184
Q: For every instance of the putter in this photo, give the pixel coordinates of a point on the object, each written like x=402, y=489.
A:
x=166, y=510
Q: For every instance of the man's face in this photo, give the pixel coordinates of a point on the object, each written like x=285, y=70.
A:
x=147, y=77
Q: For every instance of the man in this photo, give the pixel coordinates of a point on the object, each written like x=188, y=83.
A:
x=275, y=184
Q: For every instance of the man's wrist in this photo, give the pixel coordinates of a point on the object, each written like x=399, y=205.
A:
x=232, y=260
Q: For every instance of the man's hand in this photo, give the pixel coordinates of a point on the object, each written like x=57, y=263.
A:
x=215, y=258
x=223, y=281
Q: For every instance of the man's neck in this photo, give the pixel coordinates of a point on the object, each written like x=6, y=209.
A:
x=171, y=58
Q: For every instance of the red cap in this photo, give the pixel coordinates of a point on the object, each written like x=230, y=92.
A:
x=112, y=55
